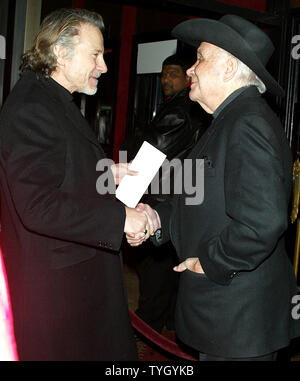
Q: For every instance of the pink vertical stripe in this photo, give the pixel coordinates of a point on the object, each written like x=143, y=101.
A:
x=8, y=350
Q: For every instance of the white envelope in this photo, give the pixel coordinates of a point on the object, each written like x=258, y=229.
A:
x=147, y=162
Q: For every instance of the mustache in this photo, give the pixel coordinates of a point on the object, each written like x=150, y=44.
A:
x=96, y=75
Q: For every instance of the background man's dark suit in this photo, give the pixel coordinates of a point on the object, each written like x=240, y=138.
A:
x=62, y=234
x=237, y=234
x=174, y=130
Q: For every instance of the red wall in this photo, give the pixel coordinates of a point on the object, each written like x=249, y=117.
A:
x=127, y=32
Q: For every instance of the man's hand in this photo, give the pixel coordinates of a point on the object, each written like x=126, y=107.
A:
x=192, y=264
x=138, y=224
x=152, y=213
x=154, y=223
x=120, y=170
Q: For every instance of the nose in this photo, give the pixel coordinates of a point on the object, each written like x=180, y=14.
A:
x=101, y=65
x=191, y=70
x=165, y=79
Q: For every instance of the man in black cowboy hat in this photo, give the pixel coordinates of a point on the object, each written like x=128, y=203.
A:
x=235, y=298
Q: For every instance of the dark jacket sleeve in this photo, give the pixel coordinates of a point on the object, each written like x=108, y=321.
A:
x=162, y=235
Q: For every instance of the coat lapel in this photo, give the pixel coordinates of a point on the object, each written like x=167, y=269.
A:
x=74, y=114
x=65, y=100
x=202, y=143
x=249, y=92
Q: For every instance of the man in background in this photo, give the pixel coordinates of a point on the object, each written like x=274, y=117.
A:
x=174, y=130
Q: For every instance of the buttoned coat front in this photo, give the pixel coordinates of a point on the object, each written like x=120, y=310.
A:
x=60, y=237
x=241, y=306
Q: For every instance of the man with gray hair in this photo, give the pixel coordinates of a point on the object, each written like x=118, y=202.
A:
x=237, y=285
x=60, y=238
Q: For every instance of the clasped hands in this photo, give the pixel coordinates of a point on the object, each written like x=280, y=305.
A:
x=141, y=223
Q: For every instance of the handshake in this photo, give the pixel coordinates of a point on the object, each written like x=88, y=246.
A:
x=140, y=224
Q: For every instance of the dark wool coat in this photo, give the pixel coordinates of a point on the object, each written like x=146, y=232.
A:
x=241, y=306
x=60, y=238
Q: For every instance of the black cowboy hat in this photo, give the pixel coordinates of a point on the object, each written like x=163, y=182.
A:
x=237, y=36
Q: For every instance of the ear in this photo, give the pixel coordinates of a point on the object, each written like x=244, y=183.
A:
x=60, y=52
x=230, y=69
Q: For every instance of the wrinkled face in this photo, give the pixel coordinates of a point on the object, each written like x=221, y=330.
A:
x=81, y=72
x=173, y=79
x=206, y=76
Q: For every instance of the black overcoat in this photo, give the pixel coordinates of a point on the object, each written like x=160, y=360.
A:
x=60, y=237
x=242, y=305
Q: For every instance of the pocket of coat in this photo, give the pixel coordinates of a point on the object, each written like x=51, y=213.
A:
x=69, y=255
x=197, y=275
x=209, y=171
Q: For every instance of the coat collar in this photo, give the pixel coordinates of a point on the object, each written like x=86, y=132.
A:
x=228, y=100
x=249, y=92
x=57, y=90
x=236, y=96
x=66, y=100
x=182, y=93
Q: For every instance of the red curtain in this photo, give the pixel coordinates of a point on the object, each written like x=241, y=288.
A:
x=127, y=32
x=79, y=4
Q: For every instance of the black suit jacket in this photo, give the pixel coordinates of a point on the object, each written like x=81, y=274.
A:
x=174, y=130
x=241, y=306
x=55, y=222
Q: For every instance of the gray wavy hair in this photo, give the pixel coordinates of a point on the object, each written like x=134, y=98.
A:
x=58, y=28
x=248, y=77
